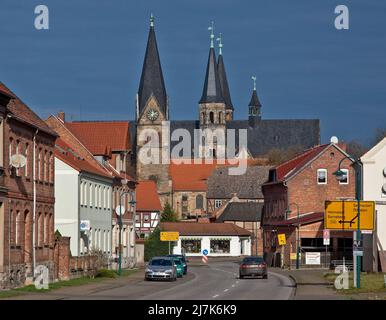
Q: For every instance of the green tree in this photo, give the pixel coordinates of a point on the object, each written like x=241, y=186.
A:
x=154, y=246
x=168, y=214
x=356, y=149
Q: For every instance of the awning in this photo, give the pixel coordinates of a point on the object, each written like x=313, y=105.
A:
x=190, y=238
x=220, y=238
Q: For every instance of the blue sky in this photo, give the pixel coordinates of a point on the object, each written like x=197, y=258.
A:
x=89, y=62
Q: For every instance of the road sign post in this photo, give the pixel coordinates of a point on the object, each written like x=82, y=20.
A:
x=169, y=236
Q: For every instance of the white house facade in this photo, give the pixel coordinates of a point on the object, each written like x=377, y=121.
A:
x=374, y=189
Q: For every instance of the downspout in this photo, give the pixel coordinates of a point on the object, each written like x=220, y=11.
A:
x=9, y=238
x=78, y=220
x=34, y=207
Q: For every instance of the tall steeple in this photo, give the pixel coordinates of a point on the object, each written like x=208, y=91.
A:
x=254, y=107
x=224, y=80
x=152, y=80
x=212, y=87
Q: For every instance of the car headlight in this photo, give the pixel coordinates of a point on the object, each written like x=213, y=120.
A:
x=169, y=271
x=148, y=270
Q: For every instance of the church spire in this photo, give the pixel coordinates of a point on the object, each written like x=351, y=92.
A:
x=255, y=102
x=212, y=89
x=152, y=80
x=223, y=77
x=254, y=107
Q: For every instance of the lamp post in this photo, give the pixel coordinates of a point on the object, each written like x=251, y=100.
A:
x=298, y=232
x=340, y=175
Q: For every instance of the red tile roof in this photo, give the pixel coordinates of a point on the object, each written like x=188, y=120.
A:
x=295, y=164
x=22, y=112
x=99, y=136
x=204, y=229
x=68, y=155
x=147, y=196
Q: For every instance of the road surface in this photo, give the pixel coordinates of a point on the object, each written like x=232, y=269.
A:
x=218, y=281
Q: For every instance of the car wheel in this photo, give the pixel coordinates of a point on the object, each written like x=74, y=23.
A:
x=265, y=276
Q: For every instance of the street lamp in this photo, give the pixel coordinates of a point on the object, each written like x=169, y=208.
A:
x=340, y=175
x=132, y=203
x=288, y=211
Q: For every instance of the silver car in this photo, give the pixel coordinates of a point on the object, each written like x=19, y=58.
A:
x=161, y=268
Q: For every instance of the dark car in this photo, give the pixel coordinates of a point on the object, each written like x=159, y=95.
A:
x=253, y=266
x=161, y=268
x=182, y=258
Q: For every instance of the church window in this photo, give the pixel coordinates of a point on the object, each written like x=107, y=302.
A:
x=211, y=117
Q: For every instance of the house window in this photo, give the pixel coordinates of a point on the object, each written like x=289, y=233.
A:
x=322, y=176
x=217, y=203
x=191, y=245
x=220, y=246
x=344, y=178
x=146, y=218
x=199, y=202
x=184, y=204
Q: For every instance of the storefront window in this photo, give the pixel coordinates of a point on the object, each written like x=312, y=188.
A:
x=191, y=245
x=220, y=246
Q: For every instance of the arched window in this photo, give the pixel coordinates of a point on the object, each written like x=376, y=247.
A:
x=221, y=117
x=46, y=229
x=199, y=202
x=211, y=117
x=202, y=117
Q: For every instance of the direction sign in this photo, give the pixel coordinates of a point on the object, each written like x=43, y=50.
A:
x=281, y=239
x=343, y=215
x=169, y=236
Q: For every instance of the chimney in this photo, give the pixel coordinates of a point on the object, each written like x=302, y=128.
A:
x=62, y=116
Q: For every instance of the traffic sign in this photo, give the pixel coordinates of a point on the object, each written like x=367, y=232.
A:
x=205, y=252
x=343, y=215
x=84, y=225
x=282, y=240
x=169, y=236
x=326, y=237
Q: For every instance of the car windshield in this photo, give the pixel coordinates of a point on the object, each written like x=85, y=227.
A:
x=161, y=262
x=181, y=257
x=253, y=260
x=178, y=262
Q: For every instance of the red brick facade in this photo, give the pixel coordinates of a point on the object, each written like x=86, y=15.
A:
x=17, y=197
x=302, y=188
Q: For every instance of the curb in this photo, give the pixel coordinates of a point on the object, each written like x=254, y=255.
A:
x=295, y=283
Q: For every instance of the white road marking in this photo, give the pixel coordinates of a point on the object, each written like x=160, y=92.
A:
x=233, y=285
x=215, y=296
x=226, y=290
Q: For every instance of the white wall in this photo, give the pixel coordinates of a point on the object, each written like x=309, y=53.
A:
x=373, y=180
x=66, y=202
x=235, y=246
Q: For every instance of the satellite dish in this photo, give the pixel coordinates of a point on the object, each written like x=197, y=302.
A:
x=18, y=160
x=384, y=172
x=334, y=139
x=384, y=188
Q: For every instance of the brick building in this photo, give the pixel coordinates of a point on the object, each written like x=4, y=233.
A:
x=306, y=182
x=26, y=217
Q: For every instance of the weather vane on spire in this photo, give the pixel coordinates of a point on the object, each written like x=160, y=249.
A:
x=219, y=39
x=211, y=29
x=254, y=82
x=151, y=20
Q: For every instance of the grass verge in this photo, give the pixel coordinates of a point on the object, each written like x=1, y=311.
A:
x=370, y=283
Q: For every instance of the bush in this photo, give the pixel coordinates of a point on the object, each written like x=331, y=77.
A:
x=105, y=273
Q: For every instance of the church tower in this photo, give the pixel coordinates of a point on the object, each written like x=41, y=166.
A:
x=151, y=110
x=212, y=104
x=224, y=83
x=254, y=114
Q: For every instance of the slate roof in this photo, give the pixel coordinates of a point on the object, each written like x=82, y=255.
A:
x=212, y=89
x=147, y=196
x=204, y=229
x=221, y=185
x=23, y=113
x=242, y=211
x=152, y=80
x=255, y=102
x=224, y=83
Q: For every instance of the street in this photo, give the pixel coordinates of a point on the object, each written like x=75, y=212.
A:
x=218, y=281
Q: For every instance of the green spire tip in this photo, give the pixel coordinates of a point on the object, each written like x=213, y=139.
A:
x=211, y=29
x=151, y=20
x=254, y=83
x=219, y=39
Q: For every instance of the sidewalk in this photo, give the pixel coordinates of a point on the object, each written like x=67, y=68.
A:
x=86, y=289
x=310, y=284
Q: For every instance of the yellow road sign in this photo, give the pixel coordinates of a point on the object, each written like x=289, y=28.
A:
x=343, y=215
x=169, y=236
x=281, y=239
